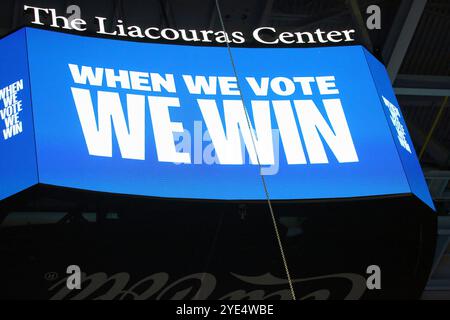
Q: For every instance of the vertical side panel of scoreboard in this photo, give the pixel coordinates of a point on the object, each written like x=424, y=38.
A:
x=399, y=130
x=18, y=164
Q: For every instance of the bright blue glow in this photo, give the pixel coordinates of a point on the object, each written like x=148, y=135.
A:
x=411, y=165
x=17, y=151
x=64, y=159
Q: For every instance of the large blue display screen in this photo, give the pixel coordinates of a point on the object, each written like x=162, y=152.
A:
x=179, y=122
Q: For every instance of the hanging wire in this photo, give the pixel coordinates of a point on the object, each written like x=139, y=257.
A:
x=266, y=191
x=433, y=127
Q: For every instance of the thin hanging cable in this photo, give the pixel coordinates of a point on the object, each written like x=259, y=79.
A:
x=433, y=127
x=274, y=221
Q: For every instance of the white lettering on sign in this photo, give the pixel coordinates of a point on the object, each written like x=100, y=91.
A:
x=10, y=108
x=118, y=28
x=395, y=118
x=228, y=124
